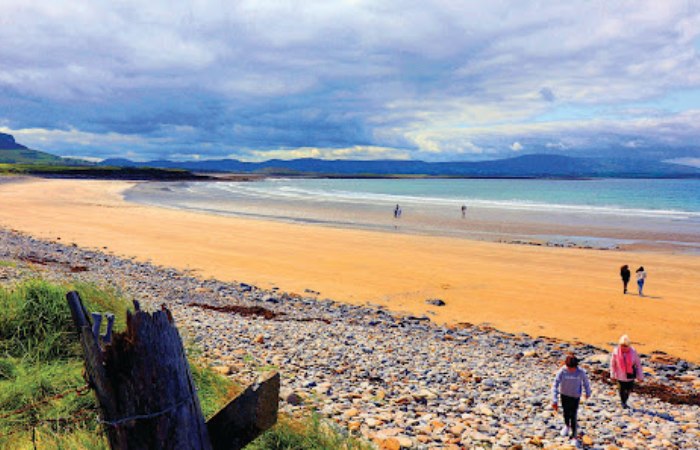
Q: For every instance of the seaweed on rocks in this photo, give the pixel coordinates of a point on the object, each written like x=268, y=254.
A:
x=245, y=311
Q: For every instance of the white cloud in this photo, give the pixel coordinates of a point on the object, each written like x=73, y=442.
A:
x=356, y=152
x=516, y=146
x=91, y=159
x=693, y=162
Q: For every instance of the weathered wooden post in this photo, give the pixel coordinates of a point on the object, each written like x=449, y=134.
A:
x=146, y=393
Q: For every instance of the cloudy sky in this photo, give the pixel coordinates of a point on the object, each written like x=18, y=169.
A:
x=352, y=79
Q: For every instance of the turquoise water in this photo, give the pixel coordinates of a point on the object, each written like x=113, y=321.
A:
x=602, y=213
x=611, y=196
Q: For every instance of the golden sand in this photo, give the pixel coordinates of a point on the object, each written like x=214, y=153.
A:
x=572, y=294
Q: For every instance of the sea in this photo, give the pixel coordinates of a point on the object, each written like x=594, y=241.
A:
x=599, y=213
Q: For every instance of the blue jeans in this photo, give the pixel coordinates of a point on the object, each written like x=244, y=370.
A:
x=640, y=284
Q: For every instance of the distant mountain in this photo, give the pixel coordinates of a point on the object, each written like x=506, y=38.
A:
x=531, y=166
x=13, y=153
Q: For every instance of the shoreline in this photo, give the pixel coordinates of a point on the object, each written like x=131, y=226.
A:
x=515, y=288
x=555, y=225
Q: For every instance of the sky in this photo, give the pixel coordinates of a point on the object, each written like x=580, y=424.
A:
x=352, y=79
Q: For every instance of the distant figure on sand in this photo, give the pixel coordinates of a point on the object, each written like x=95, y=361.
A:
x=464, y=211
x=641, y=276
x=625, y=367
x=625, y=274
x=397, y=211
x=569, y=382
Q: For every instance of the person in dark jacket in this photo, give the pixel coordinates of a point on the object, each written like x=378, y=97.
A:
x=625, y=274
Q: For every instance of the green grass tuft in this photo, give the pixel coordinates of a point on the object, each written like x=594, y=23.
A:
x=311, y=434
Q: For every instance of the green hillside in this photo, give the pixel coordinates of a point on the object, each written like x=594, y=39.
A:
x=27, y=156
x=13, y=153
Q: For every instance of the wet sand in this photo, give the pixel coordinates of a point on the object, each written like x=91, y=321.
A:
x=568, y=293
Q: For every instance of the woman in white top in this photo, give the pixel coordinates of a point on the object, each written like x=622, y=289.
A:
x=641, y=276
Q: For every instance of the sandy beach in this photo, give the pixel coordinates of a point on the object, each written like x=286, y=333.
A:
x=568, y=293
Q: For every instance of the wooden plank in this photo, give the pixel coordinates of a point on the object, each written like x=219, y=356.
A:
x=247, y=416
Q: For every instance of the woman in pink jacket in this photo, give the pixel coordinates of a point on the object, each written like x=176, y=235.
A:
x=625, y=367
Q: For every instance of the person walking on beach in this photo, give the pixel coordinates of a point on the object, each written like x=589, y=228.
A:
x=641, y=277
x=625, y=367
x=397, y=211
x=568, y=385
x=625, y=274
x=464, y=211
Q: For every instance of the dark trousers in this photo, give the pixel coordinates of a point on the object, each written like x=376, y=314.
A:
x=624, y=284
x=570, y=407
x=625, y=390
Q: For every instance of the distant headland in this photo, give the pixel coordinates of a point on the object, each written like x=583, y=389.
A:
x=16, y=158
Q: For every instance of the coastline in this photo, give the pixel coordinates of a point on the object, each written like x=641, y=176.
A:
x=568, y=293
x=494, y=219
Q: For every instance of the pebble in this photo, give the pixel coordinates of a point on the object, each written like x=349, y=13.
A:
x=398, y=381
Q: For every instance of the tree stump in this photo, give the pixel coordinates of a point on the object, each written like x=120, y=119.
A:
x=147, y=397
x=143, y=383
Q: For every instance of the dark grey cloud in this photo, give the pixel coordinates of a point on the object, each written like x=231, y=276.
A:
x=434, y=80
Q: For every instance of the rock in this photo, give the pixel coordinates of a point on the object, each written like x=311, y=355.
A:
x=435, y=302
x=372, y=422
x=222, y=370
x=390, y=432
x=350, y=413
x=389, y=444
x=424, y=394
x=485, y=410
x=404, y=442
x=600, y=358
x=294, y=399
x=270, y=299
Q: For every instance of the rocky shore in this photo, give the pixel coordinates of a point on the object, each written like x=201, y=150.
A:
x=399, y=381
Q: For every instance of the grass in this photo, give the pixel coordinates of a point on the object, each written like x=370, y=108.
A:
x=91, y=171
x=311, y=434
x=40, y=357
x=28, y=156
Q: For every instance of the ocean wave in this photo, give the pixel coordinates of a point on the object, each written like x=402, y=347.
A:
x=281, y=191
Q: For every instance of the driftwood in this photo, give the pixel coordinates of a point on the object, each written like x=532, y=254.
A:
x=247, y=416
x=147, y=397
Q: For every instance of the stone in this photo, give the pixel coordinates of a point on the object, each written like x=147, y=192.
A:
x=354, y=425
x=294, y=399
x=350, y=413
x=404, y=441
x=389, y=444
x=222, y=370
x=435, y=302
